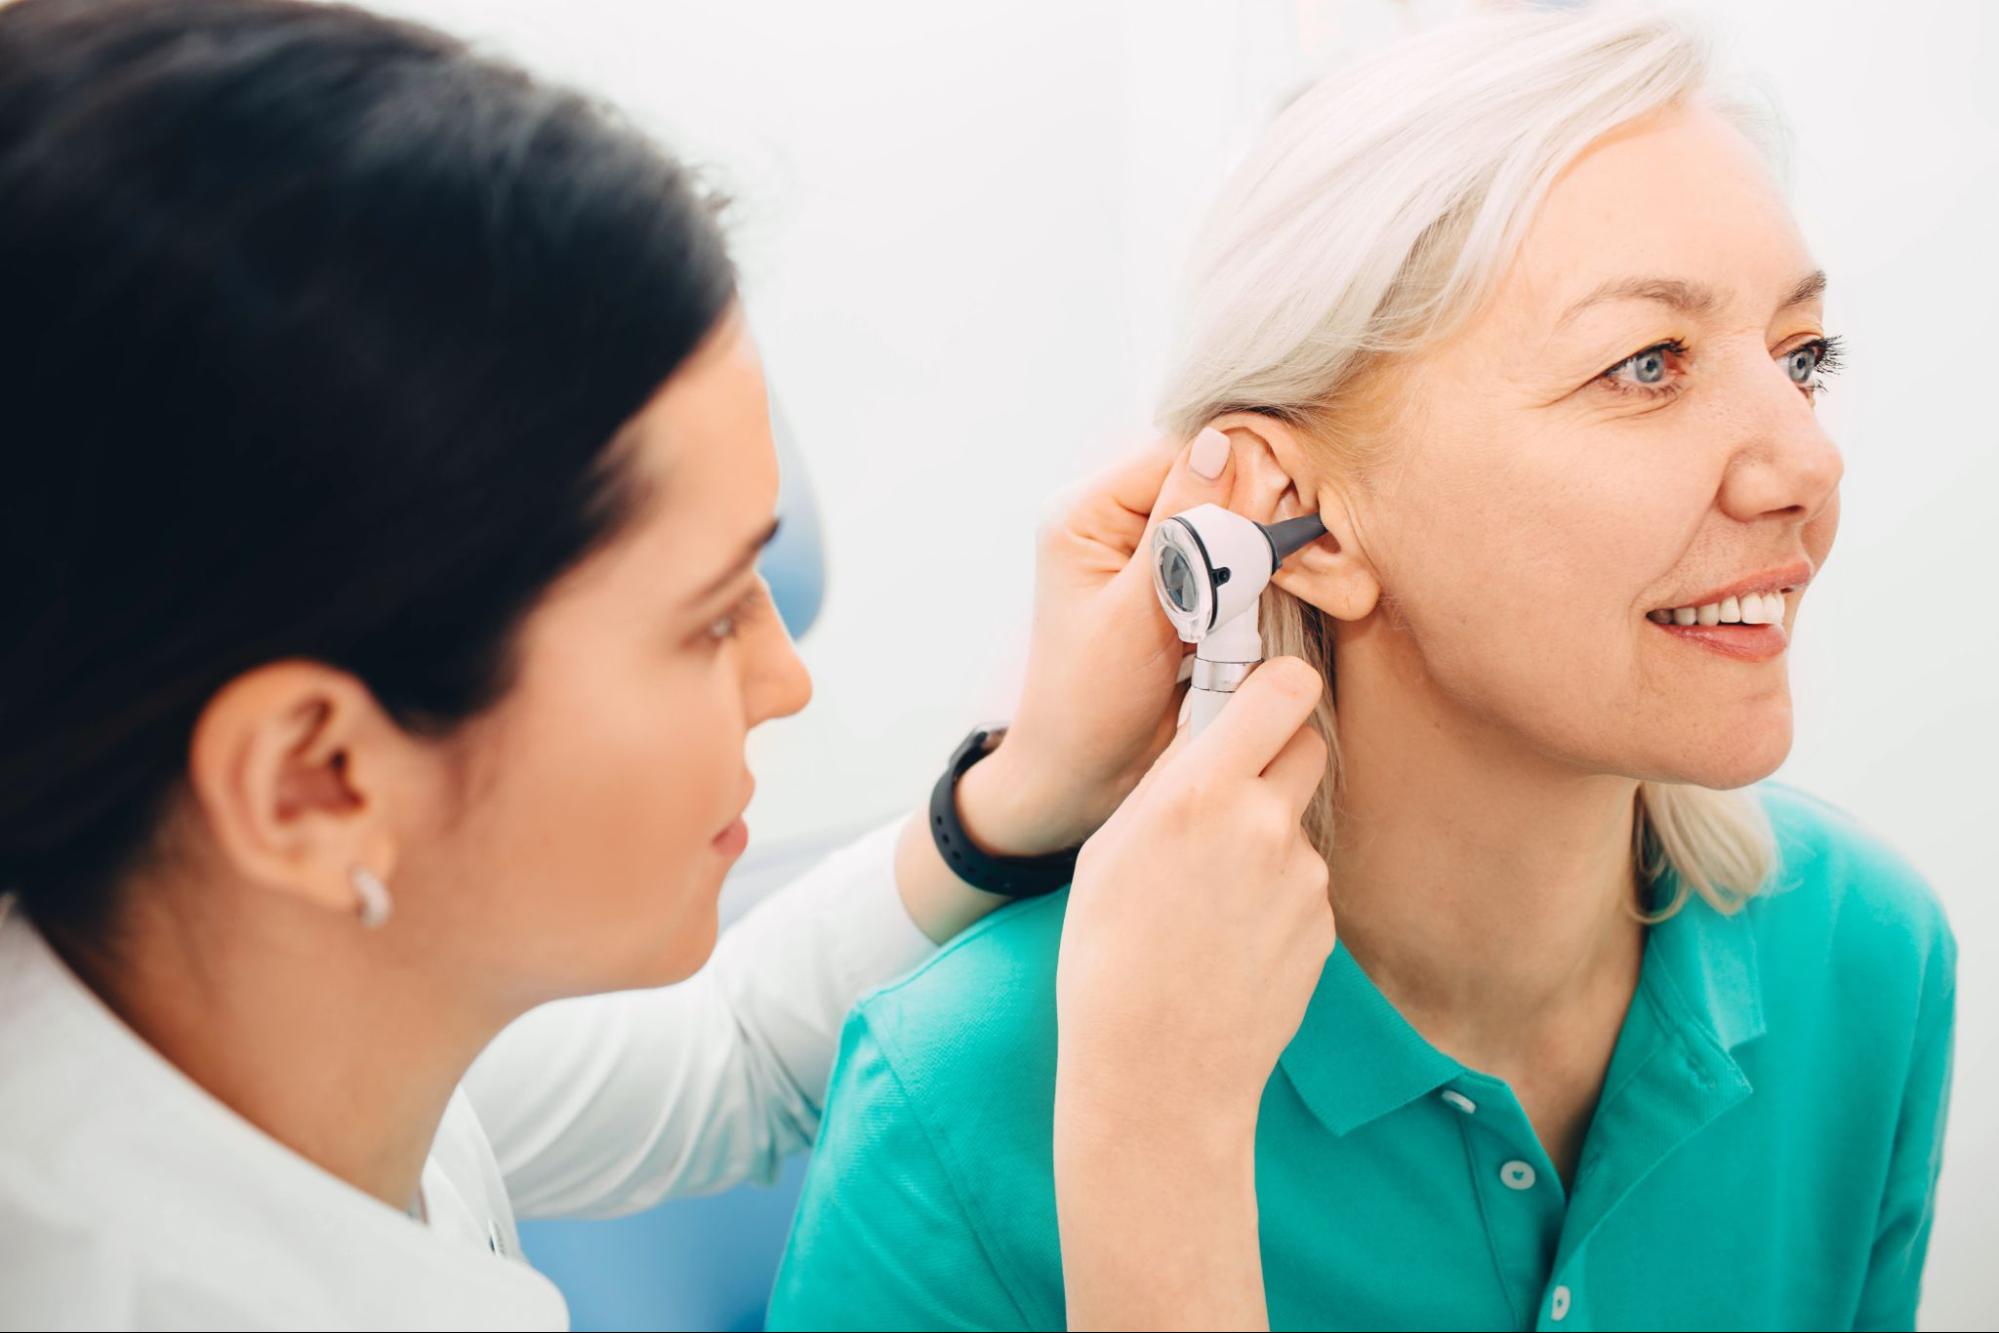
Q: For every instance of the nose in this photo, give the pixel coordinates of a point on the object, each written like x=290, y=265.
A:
x=1785, y=466
x=778, y=683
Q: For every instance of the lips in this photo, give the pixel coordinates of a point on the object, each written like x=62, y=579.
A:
x=1743, y=620
x=1708, y=607
x=742, y=807
x=1745, y=643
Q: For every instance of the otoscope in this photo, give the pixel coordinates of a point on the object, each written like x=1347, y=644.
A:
x=1209, y=567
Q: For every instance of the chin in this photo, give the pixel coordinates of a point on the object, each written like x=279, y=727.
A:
x=1727, y=759
x=673, y=952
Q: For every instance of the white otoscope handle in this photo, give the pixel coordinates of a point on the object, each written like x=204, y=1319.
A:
x=1203, y=707
x=1222, y=661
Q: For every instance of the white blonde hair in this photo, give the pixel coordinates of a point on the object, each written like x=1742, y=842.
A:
x=1377, y=212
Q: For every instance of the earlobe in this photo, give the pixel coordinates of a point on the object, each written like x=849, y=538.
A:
x=1332, y=576
x=277, y=773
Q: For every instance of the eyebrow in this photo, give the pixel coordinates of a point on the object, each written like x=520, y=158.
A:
x=1689, y=298
x=750, y=551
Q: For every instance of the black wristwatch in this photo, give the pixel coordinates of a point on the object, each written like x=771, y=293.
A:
x=1014, y=876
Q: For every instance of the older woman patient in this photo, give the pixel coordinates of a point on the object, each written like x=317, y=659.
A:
x=1612, y=1037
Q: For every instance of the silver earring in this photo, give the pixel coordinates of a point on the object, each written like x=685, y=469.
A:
x=371, y=897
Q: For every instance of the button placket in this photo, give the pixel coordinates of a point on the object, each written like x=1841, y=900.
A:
x=1522, y=1203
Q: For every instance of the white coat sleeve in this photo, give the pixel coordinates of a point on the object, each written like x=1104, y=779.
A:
x=609, y=1103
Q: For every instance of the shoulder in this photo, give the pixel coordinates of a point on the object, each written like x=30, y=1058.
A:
x=988, y=996
x=1832, y=866
x=1845, y=909
x=936, y=1146
x=71, y=1262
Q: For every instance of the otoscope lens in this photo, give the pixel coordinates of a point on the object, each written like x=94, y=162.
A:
x=1176, y=576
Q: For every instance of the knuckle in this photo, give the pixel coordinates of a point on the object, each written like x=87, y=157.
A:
x=1197, y=792
x=1271, y=818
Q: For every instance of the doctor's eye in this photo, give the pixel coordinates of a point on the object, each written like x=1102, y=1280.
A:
x=726, y=625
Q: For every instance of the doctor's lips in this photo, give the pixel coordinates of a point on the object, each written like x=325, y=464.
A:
x=731, y=841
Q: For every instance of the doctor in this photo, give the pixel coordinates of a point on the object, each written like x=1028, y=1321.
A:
x=385, y=465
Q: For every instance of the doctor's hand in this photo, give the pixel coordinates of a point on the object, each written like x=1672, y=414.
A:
x=1197, y=927
x=1101, y=696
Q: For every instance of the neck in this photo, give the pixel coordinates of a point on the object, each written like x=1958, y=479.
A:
x=306, y=1025
x=1487, y=889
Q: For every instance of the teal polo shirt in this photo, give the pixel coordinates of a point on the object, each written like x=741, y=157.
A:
x=1764, y=1153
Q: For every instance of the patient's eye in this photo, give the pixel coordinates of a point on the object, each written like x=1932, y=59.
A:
x=1649, y=367
x=1806, y=362
x=1648, y=372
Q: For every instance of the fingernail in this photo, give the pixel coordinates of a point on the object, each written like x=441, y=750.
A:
x=1211, y=453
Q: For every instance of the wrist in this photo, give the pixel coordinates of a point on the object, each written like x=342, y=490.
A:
x=1098, y=1117
x=1006, y=813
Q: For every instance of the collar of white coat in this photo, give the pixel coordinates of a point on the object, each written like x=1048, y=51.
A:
x=200, y=1211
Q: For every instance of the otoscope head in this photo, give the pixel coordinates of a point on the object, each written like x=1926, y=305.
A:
x=1209, y=565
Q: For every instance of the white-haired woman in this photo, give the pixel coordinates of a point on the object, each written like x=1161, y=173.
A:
x=1609, y=1041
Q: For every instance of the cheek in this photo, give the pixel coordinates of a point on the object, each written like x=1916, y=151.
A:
x=600, y=835
x=1524, y=572
x=1523, y=575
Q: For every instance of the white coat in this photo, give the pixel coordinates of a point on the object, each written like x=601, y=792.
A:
x=129, y=1197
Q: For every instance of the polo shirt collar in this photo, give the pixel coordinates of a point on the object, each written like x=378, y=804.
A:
x=1355, y=1058
x=1711, y=959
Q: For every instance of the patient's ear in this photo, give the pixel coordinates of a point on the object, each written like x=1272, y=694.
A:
x=1279, y=474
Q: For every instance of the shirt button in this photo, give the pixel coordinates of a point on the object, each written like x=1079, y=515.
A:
x=1459, y=1100
x=1517, y=1175
x=1558, y=1308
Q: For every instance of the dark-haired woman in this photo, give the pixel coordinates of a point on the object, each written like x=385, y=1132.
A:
x=385, y=464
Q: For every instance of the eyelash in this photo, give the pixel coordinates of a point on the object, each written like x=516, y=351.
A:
x=724, y=627
x=1830, y=361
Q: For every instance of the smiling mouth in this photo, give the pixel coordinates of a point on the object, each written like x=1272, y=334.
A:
x=1750, y=608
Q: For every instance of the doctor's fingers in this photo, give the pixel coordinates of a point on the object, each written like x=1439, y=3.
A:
x=1259, y=721
x=1203, y=473
x=1117, y=508
x=1299, y=768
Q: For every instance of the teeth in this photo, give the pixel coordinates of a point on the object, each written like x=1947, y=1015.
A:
x=1750, y=608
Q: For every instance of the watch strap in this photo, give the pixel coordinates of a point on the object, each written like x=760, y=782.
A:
x=1012, y=876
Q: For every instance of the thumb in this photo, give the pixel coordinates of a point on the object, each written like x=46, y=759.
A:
x=1203, y=474
x=1260, y=719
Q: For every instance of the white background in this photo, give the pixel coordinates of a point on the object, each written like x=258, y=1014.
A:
x=960, y=227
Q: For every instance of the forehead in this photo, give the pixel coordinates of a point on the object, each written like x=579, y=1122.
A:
x=701, y=449
x=1680, y=195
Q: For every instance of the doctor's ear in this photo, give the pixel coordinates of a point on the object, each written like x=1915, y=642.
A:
x=1280, y=473
x=297, y=773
